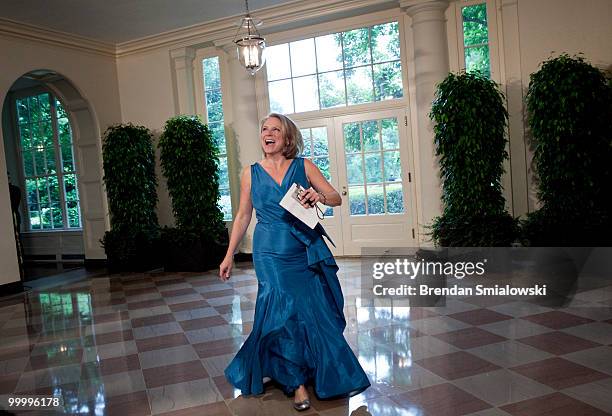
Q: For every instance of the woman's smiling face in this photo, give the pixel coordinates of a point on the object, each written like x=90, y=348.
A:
x=272, y=139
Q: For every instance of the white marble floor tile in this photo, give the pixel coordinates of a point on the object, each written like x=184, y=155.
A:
x=149, y=331
x=502, y=387
x=167, y=356
x=509, y=353
x=183, y=395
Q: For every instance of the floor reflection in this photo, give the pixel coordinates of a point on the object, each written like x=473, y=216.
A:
x=141, y=344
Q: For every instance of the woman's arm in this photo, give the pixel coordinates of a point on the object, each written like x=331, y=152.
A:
x=241, y=223
x=321, y=190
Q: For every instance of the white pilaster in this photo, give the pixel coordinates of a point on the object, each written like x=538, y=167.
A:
x=431, y=67
x=514, y=94
x=182, y=61
x=243, y=128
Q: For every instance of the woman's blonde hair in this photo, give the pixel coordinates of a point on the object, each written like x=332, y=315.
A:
x=291, y=133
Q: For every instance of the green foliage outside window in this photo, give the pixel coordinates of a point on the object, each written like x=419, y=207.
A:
x=365, y=60
x=373, y=167
x=50, y=178
x=215, y=119
x=476, y=39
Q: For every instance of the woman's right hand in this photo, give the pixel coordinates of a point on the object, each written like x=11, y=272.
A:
x=225, y=268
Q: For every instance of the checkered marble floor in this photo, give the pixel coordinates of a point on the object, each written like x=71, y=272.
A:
x=157, y=343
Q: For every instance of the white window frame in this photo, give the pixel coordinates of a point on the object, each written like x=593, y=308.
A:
x=27, y=226
x=493, y=29
x=342, y=25
x=200, y=102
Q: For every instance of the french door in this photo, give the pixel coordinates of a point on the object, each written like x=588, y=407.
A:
x=368, y=159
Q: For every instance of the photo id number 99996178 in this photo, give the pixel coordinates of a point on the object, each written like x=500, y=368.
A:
x=32, y=402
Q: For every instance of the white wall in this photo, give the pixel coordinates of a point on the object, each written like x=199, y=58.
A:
x=549, y=28
x=147, y=98
x=95, y=77
x=529, y=30
x=141, y=87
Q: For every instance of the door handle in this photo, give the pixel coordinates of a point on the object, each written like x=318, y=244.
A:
x=344, y=191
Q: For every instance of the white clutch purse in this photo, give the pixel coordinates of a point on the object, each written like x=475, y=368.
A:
x=291, y=202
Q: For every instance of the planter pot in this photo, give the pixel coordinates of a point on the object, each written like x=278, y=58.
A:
x=145, y=254
x=436, y=281
x=193, y=255
x=558, y=268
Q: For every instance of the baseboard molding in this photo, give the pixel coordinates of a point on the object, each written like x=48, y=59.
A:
x=12, y=288
x=243, y=257
x=95, y=264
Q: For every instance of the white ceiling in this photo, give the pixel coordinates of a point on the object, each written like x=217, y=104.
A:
x=117, y=21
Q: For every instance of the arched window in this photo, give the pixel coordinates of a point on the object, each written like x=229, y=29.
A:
x=46, y=151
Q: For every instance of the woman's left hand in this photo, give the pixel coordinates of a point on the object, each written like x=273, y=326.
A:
x=310, y=197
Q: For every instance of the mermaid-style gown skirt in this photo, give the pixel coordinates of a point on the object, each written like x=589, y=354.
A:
x=297, y=331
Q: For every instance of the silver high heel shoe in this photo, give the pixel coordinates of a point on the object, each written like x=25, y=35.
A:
x=301, y=406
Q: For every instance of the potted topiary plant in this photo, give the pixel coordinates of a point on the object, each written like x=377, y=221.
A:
x=569, y=105
x=129, y=177
x=469, y=125
x=190, y=164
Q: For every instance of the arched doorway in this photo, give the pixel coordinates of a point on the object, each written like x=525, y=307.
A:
x=52, y=152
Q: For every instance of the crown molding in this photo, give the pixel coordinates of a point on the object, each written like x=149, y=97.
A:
x=26, y=31
x=220, y=30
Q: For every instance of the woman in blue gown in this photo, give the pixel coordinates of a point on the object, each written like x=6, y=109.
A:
x=299, y=320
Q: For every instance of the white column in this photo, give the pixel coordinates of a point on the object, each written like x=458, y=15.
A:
x=431, y=66
x=182, y=61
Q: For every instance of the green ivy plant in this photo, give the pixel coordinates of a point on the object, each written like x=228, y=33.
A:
x=129, y=177
x=470, y=137
x=569, y=105
x=190, y=163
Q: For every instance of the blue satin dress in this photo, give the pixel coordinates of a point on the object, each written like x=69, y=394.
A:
x=299, y=319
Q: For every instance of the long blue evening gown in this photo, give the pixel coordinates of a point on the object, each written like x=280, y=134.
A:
x=299, y=319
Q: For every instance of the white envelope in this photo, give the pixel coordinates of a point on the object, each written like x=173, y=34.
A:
x=292, y=204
